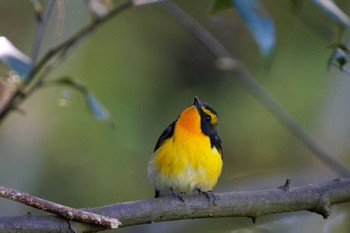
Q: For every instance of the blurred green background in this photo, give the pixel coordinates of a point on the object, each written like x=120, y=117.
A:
x=145, y=69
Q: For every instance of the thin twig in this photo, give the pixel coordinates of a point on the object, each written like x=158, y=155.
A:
x=70, y=42
x=61, y=210
x=60, y=50
x=244, y=76
x=40, y=32
x=316, y=198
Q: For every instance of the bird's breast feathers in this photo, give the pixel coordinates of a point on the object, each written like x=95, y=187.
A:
x=184, y=162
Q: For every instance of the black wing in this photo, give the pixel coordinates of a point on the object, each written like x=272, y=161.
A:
x=167, y=133
x=215, y=141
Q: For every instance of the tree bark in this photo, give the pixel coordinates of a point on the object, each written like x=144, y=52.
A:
x=252, y=204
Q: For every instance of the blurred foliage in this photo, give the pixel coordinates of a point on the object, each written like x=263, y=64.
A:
x=259, y=22
x=220, y=5
x=145, y=69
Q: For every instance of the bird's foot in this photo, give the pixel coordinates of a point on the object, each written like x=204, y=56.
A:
x=178, y=195
x=212, y=197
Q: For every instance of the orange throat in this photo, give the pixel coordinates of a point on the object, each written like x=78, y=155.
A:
x=189, y=120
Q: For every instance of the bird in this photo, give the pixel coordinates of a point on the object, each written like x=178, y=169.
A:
x=187, y=157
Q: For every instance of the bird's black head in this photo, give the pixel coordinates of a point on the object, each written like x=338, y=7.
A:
x=209, y=120
x=206, y=111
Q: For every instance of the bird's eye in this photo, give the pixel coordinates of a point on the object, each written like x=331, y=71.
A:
x=208, y=118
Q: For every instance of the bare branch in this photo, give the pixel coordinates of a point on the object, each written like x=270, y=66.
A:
x=55, y=53
x=144, y=2
x=61, y=210
x=40, y=32
x=252, y=204
x=228, y=63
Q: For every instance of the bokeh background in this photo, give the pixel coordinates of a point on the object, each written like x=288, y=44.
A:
x=145, y=69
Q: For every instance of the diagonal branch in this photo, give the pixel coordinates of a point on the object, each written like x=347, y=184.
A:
x=33, y=81
x=252, y=204
x=61, y=210
x=40, y=32
x=228, y=63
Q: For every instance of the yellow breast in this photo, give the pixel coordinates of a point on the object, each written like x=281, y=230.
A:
x=186, y=161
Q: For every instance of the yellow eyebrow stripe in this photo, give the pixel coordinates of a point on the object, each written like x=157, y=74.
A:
x=214, y=117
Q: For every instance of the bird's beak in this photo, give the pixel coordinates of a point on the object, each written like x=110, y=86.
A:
x=197, y=103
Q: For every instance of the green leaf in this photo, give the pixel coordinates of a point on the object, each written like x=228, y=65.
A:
x=220, y=5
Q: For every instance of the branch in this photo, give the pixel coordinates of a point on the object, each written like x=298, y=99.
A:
x=40, y=32
x=61, y=210
x=251, y=204
x=59, y=51
x=227, y=62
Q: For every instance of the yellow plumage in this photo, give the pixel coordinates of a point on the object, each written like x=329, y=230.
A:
x=186, y=160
